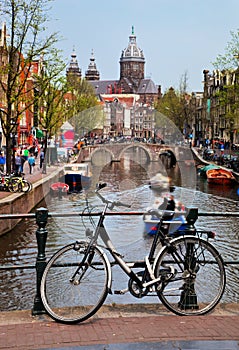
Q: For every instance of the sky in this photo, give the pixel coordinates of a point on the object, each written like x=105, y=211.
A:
x=177, y=37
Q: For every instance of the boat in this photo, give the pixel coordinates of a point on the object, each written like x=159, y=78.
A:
x=220, y=176
x=175, y=218
x=77, y=176
x=160, y=182
x=59, y=188
x=174, y=222
x=203, y=170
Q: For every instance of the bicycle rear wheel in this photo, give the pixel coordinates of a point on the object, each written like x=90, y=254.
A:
x=75, y=285
x=193, y=276
x=12, y=185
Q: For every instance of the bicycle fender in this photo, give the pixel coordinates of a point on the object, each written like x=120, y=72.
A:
x=109, y=271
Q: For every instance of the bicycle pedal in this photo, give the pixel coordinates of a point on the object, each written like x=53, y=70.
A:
x=122, y=291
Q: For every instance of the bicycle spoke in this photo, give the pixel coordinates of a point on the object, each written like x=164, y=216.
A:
x=71, y=290
x=199, y=279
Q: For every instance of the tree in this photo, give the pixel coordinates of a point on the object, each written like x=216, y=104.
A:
x=174, y=104
x=228, y=93
x=229, y=60
x=171, y=106
x=83, y=107
x=50, y=99
x=25, y=23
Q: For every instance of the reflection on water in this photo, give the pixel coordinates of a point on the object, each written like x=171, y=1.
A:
x=127, y=181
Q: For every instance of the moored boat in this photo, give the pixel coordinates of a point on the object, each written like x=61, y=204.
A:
x=59, y=187
x=220, y=176
x=77, y=176
x=203, y=170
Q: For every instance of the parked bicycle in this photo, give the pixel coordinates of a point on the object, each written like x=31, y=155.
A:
x=6, y=183
x=185, y=272
x=14, y=183
x=21, y=184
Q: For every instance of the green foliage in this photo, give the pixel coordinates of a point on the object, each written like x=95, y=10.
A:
x=26, y=21
x=172, y=106
x=82, y=108
x=229, y=60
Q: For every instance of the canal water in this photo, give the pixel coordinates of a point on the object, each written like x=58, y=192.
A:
x=127, y=181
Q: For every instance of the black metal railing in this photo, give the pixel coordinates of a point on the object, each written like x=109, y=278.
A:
x=41, y=216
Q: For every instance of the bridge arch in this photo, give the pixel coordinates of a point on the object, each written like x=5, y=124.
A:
x=106, y=156
x=135, y=146
x=169, y=156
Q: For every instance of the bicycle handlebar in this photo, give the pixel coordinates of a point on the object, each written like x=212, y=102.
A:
x=111, y=204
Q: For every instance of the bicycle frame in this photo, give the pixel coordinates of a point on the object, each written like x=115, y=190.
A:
x=101, y=232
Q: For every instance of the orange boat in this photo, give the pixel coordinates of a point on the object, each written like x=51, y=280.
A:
x=220, y=176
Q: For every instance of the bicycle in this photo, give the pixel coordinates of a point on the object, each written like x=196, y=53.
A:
x=187, y=274
x=6, y=183
x=21, y=184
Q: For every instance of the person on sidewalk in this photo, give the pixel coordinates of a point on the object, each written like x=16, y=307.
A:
x=2, y=162
x=31, y=162
x=42, y=157
x=18, y=164
x=26, y=153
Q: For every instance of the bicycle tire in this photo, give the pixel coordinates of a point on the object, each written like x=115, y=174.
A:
x=72, y=302
x=24, y=186
x=193, y=276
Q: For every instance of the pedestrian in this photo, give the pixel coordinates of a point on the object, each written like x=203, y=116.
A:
x=42, y=157
x=26, y=153
x=171, y=203
x=2, y=162
x=31, y=162
x=18, y=164
x=22, y=163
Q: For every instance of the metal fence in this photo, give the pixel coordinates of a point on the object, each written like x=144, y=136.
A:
x=41, y=216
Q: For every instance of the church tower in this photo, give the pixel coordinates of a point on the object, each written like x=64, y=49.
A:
x=92, y=73
x=73, y=72
x=132, y=63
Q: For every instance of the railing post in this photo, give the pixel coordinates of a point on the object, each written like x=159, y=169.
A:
x=188, y=299
x=44, y=167
x=41, y=236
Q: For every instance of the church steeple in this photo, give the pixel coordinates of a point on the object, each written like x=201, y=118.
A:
x=92, y=73
x=73, y=72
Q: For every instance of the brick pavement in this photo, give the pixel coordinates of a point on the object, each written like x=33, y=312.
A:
x=140, y=324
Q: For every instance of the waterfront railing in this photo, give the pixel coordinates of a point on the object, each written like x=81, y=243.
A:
x=41, y=216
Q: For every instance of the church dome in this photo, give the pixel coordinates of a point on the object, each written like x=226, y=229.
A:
x=132, y=52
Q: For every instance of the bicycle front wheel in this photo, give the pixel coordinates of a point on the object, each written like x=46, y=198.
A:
x=192, y=276
x=75, y=285
x=24, y=186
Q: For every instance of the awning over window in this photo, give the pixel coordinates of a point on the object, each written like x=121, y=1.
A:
x=39, y=133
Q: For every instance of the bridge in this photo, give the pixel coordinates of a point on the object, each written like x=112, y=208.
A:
x=113, y=152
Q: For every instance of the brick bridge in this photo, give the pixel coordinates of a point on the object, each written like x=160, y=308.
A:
x=115, y=151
